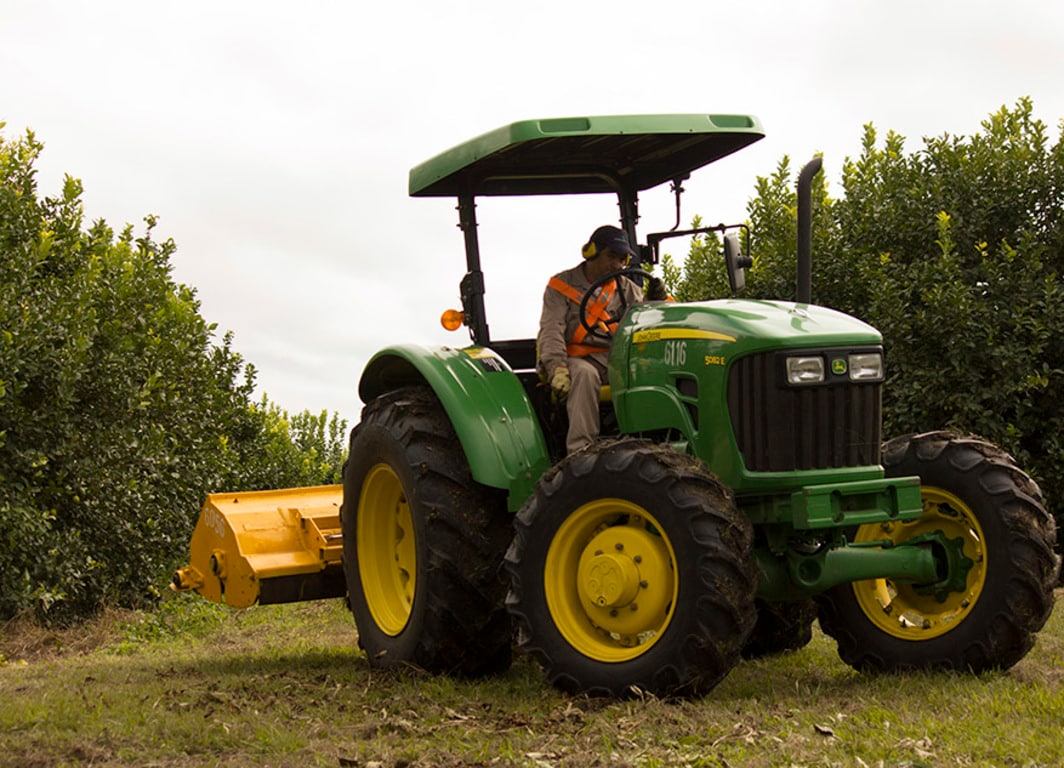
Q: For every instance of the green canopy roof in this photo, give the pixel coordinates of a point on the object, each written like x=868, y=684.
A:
x=583, y=154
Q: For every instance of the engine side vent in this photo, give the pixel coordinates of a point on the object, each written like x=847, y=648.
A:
x=688, y=388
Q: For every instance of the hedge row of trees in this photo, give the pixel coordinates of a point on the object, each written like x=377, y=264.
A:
x=955, y=252
x=119, y=408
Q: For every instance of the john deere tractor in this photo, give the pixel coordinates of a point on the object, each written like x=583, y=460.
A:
x=741, y=488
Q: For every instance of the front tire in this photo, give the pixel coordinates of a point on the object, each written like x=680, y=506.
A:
x=632, y=571
x=423, y=543
x=1000, y=589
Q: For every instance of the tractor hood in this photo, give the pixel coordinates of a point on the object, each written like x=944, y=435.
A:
x=758, y=390
x=738, y=326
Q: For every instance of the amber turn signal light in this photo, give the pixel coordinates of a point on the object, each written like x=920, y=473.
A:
x=452, y=319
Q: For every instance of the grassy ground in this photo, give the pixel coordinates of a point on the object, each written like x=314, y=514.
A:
x=199, y=685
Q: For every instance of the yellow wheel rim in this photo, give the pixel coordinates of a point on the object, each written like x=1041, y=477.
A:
x=386, y=556
x=610, y=581
x=898, y=609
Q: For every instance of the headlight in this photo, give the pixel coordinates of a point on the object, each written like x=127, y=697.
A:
x=805, y=370
x=866, y=366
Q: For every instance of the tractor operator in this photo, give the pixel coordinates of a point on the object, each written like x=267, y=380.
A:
x=571, y=359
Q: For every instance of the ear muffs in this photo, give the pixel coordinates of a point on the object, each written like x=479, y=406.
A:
x=589, y=251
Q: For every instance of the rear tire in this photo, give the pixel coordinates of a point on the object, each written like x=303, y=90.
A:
x=632, y=571
x=974, y=493
x=423, y=543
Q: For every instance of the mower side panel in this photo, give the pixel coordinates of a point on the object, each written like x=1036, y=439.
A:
x=486, y=403
x=265, y=547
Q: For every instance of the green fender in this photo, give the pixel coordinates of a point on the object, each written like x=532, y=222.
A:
x=486, y=403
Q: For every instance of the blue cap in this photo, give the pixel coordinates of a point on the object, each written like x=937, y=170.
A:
x=613, y=238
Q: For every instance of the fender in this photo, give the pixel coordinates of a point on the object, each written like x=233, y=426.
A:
x=486, y=403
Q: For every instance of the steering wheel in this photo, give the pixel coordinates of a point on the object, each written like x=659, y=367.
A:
x=598, y=332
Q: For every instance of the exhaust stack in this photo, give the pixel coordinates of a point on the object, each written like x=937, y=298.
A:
x=805, y=230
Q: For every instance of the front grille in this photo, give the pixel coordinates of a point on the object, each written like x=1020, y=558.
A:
x=781, y=428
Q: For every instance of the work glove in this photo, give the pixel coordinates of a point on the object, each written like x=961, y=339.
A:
x=560, y=381
x=656, y=289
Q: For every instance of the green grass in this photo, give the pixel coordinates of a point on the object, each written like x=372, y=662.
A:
x=198, y=685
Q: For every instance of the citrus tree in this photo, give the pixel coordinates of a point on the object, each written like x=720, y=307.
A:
x=119, y=409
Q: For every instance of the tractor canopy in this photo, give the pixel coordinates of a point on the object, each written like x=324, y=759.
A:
x=577, y=155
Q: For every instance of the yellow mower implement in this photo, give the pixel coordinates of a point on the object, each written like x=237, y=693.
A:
x=267, y=547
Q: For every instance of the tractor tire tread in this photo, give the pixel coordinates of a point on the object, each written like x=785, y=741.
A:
x=723, y=614
x=466, y=629
x=1018, y=597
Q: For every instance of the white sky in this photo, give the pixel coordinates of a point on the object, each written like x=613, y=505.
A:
x=273, y=140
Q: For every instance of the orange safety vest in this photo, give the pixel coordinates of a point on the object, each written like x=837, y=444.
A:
x=596, y=315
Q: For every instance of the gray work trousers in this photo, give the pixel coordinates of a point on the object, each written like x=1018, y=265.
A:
x=587, y=375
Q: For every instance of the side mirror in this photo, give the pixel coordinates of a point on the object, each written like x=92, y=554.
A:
x=736, y=262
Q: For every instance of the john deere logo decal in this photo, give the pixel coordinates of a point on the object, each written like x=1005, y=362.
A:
x=838, y=366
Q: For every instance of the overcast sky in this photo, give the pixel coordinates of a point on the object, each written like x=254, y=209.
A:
x=273, y=140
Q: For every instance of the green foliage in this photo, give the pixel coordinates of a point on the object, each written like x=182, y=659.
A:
x=181, y=615
x=699, y=276
x=955, y=252
x=289, y=452
x=117, y=410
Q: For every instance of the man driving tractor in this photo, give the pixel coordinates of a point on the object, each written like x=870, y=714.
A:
x=572, y=358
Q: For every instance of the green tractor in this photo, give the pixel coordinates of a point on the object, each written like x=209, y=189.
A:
x=740, y=490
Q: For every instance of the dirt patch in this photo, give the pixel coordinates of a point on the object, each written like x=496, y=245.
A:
x=25, y=639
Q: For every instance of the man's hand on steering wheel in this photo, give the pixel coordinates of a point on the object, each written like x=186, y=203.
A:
x=599, y=331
